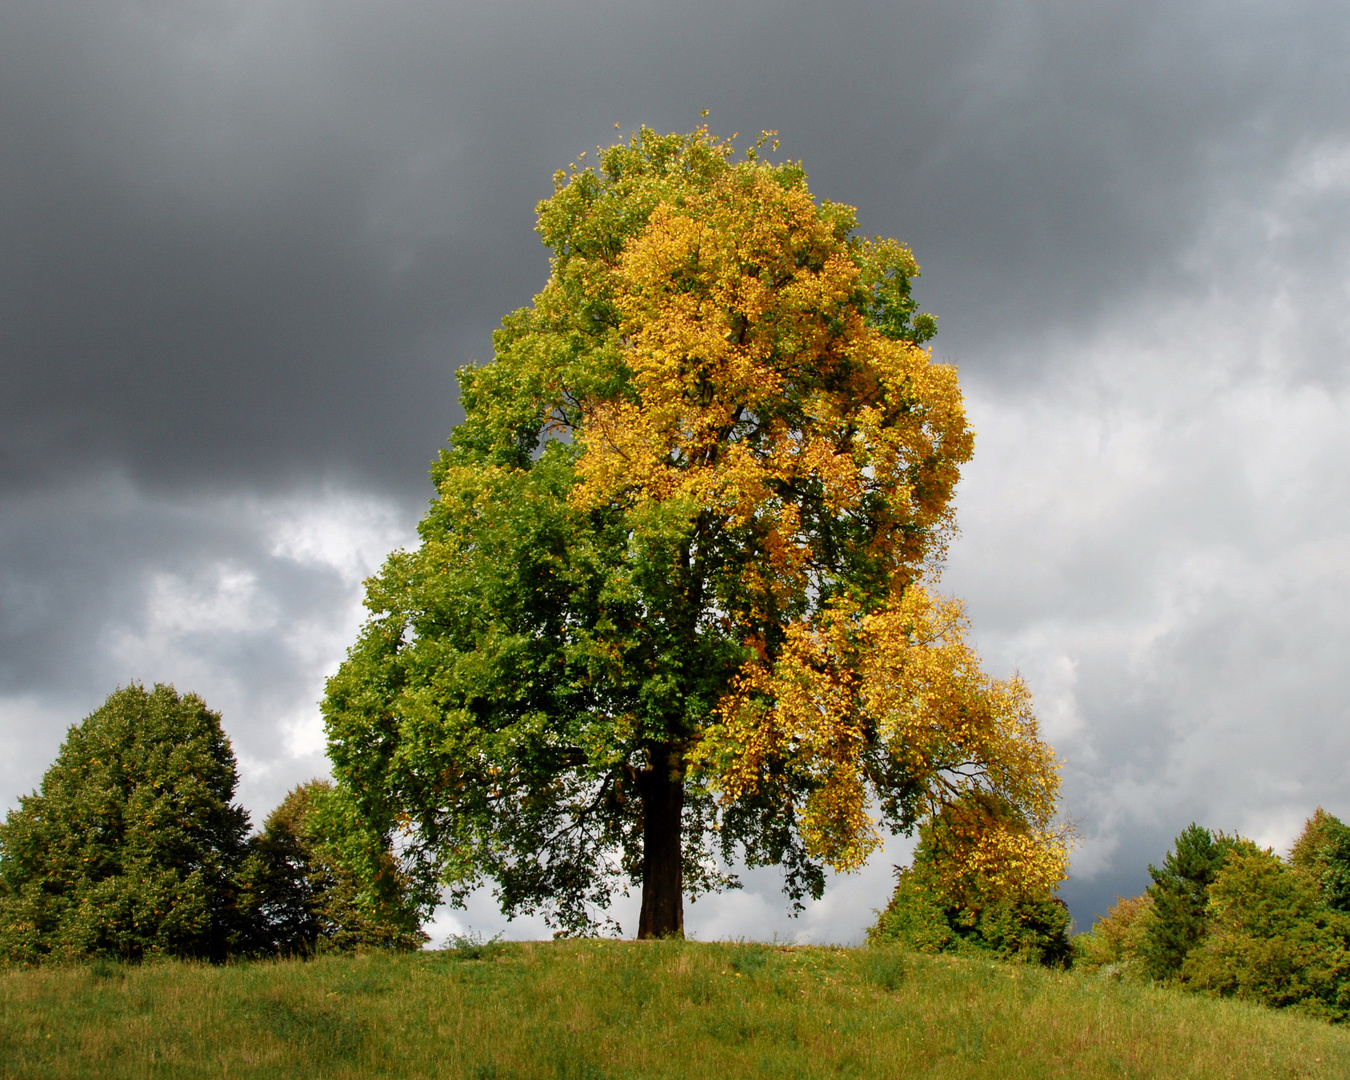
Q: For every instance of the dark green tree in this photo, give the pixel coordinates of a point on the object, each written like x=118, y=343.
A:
x=1180, y=891
x=132, y=844
x=281, y=885
x=307, y=893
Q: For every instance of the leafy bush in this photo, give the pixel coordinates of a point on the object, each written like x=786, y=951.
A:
x=1115, y=940
x=132, y=848
x=1229, y=919
x=132, y=844
x=915, y=917
x=919, y=918
x=945, y=903
x=1272, y=938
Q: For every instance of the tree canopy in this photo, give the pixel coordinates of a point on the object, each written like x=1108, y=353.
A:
x=671, y=606
x=132, y=843
x=132, y=847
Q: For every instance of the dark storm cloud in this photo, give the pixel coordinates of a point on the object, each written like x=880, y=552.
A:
x=251, y=242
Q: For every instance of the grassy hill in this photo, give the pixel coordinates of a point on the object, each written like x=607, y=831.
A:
x=592, y=1009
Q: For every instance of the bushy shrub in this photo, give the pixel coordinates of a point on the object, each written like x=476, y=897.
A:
x=132, y=847
x=945, y=903
x=1116, y=938
x=1272, y=938
x=132, y=844
x=920, y=917
x=1227, y=918
x=915, y=917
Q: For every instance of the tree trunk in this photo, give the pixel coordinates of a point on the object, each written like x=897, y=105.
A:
x=662, y=857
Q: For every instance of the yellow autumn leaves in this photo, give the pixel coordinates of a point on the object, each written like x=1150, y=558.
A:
x=857, y=698
x=760, y=401
x=754, y=373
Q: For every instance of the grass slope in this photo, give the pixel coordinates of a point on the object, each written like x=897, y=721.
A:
x=592, y=1009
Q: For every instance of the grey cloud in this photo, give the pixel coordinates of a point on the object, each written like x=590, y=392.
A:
x=253, y=242
x=1158, y=542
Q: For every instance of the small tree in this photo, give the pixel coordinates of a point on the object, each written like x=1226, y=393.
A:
x=132, y=843
x=668, y=603
x=950, y=899
x=1175, y=923
x=308, y=893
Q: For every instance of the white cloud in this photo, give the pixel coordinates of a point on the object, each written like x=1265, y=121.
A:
x=347, y=531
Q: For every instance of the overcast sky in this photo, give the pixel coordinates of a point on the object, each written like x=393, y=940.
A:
x=244, y=245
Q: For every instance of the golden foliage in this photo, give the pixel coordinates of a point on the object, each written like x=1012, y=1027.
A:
x=859, y=698
x=755, y=377
x=754, y=373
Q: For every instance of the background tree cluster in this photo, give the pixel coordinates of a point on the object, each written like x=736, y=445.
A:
x=1226, y=917
x=133, y=847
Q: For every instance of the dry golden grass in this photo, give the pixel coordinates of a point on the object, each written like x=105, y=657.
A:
x=592, y=1009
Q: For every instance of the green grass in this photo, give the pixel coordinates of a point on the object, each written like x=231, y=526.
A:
x=582, y=1010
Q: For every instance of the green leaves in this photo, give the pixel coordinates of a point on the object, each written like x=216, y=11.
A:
x=932, y=912
x=131, y=845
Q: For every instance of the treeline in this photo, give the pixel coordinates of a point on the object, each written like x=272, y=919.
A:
x=1222, y=916
x=1228, y=918
x=133, y=847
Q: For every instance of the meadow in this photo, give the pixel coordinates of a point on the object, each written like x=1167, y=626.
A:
x=591, y=1009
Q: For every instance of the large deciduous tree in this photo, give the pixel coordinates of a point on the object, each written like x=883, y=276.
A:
x=669, y=604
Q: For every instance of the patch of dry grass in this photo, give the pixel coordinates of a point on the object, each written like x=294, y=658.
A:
x=593, y=1009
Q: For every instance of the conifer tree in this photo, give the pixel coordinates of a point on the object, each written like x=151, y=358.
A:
x=1175, y=924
